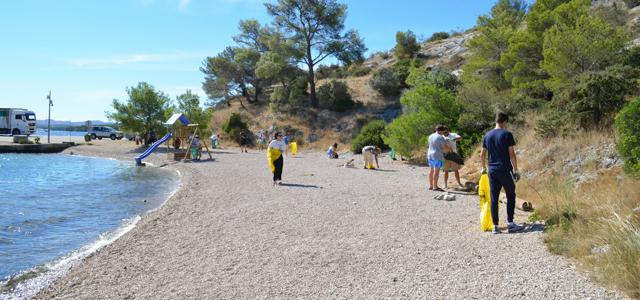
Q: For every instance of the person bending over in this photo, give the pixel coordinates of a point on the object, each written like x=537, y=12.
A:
x=370, y=154
x=333, y=151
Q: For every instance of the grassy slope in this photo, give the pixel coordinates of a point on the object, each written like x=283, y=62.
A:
x=579, y=190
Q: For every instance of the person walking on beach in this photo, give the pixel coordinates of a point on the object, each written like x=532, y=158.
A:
x=274, y=155
x=503, y=170
x=435, y=157
x=450, y=165
x=262, y=140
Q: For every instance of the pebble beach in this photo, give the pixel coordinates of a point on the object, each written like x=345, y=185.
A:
x=328, y=232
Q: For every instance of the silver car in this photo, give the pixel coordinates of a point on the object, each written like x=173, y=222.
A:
x=99, y=132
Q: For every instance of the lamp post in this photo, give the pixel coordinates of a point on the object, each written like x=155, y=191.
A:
x=49, y=120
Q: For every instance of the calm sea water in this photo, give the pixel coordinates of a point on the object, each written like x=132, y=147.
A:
x=43, y=132
x=57, y=208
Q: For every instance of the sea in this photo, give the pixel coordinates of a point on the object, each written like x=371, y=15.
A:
x=43, y=133
x=56, y=209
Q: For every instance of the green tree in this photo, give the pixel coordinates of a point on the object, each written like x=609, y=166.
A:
x=189, y=105
x=352, y=49
x=407, y=134
x=487, y=48
x=591, y=45
x=628, y=130
x=594, y=96
x=315, y=27
x=406, y=45
x=144, y=112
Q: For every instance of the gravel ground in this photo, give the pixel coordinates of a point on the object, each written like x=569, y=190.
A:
x=331, y=232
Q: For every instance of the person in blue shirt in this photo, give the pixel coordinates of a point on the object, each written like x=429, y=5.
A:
x=503, y=170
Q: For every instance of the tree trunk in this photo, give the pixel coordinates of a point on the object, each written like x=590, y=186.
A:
x=312, y=87
x=312, y=79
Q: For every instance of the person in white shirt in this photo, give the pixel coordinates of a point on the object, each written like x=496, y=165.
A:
x=369, y=154
x=275, y=152
x=452, y=140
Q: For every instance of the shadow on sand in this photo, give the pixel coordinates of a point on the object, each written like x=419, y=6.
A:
x=300, y=185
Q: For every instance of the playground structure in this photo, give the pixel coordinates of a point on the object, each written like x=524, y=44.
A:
x=180, y=129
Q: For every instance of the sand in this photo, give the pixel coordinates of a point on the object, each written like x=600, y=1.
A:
x=330, y=232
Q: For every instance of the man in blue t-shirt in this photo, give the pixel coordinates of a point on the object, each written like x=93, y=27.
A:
x=503, y=170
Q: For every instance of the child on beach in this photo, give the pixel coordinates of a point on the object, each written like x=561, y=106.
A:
x=196, y=147
x=333, y=151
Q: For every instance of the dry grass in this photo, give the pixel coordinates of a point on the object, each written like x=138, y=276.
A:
x=588, y=208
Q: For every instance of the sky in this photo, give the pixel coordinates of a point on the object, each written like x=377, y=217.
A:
x=87, y=52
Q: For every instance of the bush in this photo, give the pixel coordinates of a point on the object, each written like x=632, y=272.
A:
x=234, y=126
x=407, y=135
x=438, y=36
x=331, y=72
x=432, y=100
x=386, y=82
x=406, y=45
x=370, y=134
x=437, y=76
x=358, y=70
x=335, y=96
x=628, y=128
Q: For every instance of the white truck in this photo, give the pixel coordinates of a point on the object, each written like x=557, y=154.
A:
x=17, y=121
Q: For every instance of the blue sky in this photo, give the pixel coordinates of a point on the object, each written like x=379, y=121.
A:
x=88, y=51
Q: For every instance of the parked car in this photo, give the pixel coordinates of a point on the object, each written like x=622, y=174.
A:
x=130, y=136
x=99, y=132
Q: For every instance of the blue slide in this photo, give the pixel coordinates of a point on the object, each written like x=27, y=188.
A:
x=152, y=148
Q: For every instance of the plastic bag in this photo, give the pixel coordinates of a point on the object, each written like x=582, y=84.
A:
x=484, y=191
x=294, y=148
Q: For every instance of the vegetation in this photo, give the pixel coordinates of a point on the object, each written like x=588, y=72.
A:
x=234, y=126
x=628, y=129
x=189, y=105
x=315, y=27
x=407, y=45
x=370, y=134
x=386, y=82
x=145, y=111
x=335, y=96
x=436, y=36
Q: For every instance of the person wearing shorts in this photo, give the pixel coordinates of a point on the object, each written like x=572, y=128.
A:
x=370, y=155
x=449, y=165
x=435, y=157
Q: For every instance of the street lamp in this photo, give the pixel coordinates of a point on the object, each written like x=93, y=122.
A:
x=49, y=121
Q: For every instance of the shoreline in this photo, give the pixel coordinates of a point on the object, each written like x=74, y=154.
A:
x=38, y=278
x=330, y=233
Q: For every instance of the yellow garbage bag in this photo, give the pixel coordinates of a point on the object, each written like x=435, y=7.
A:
x=294, y=148
x=484, y=191
x=272, y=156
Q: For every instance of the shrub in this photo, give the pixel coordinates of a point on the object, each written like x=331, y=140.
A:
x=335, y=96
x=432, y=100
x=406, y=45
x=234, y=126
x=437, y=76
x=386, y=82
x=628, y=128
x=358, y=70
x=438, y=36
x=331, y=71
x=370, y=134
x=408, y=133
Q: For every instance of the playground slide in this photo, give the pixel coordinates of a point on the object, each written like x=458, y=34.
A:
x=152, y=148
